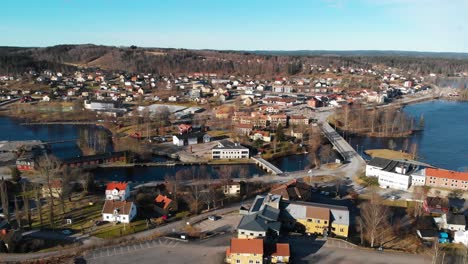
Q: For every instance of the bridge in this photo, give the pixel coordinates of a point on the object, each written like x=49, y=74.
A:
x=270, y=168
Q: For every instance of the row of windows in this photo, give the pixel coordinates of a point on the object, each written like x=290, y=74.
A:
x=250, y=261
x=316, y=221
x=251, y=234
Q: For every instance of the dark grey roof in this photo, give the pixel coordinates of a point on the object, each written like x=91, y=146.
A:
x=269, y=213
x=191, y=135
x=226, y=144
x=379, y=162
x=253, y=223
x=456, y=219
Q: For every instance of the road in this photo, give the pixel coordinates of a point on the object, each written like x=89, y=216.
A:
x=141, y=235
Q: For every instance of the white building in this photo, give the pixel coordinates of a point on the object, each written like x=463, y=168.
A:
x=232, y=188
x=117, y=191
x=392, y=173
x=461, y=237
x=418, y=178
x=118, y=211
x=190, y=139
x=229, y=150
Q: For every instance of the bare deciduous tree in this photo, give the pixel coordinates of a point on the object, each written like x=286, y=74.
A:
x=374, y=216
x=5, y=200
x=49, y=167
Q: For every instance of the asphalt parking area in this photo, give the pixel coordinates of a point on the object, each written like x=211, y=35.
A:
x=131, y=248
x=227, y=223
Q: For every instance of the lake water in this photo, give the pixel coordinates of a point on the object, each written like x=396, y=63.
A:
x=443, y=142
x=13, y=130
x=145, y=174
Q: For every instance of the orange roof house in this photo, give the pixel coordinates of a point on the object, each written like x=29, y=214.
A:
x=281, y=254
x=116, y=185
x=446, y=179
x=165, y=202
x=245, y=251
x=117, y=191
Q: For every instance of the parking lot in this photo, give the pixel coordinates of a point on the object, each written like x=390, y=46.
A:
x=227, y=223
x=131, y=249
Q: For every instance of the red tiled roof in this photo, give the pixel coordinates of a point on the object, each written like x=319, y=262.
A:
x=246, y=246
x=282, y=249
x=453, y=175
x=116, y=185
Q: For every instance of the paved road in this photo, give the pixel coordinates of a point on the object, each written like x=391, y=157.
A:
x=159, y=230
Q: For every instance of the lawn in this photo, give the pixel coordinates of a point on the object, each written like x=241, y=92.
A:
x=80, y=210
x=110, y=230
x=388, y=154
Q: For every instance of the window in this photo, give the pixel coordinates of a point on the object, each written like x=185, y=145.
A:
x=251, y=234
x=238, y=261
x=260, y=235
x=318, y=221
x=341, y=229
x=309, y=220
x=257, y=262
x=243, y=233
x=250, y=261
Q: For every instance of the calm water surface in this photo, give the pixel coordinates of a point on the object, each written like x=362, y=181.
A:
x=444, y=141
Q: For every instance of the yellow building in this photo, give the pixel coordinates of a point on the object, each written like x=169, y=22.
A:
x=245, y=251
x=281, y=254
x=317, y=218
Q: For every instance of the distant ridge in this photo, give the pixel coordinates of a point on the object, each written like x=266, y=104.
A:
x=402, y=53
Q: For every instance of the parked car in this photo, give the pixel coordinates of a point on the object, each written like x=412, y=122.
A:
x=214, y=217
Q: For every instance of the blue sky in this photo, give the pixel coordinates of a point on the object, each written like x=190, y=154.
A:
x=420, y=25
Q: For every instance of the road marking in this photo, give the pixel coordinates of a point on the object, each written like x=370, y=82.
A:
x=128, y=248
x=108, y=254
x=160, y=243
x=134, y=246
x=148, y=244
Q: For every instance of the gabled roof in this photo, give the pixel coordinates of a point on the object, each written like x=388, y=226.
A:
x=293, y=190
x=281, y=249
x=116, y=185
x=166, y=201
x=123, y=207
x=453, y=175
x=318, y=213
x=246, y=246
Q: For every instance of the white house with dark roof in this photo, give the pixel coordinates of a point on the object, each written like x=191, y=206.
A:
x=118, y=211
x=229, y=150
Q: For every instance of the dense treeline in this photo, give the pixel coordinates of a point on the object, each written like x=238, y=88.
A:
x=379, y=122
x=174, y=61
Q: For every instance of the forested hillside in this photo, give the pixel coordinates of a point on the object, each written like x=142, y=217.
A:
x=176, y=61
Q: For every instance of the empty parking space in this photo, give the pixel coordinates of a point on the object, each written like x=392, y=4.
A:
x=128, y=249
